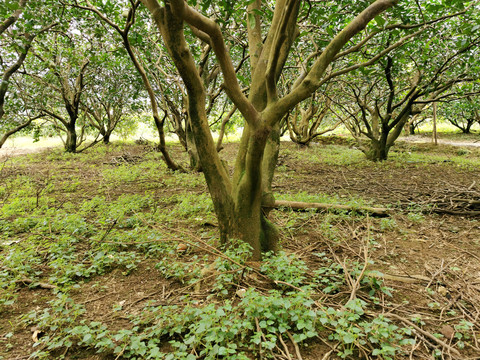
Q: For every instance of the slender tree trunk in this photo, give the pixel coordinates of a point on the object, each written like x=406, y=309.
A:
x=434, y=132
x=270, y=159
x=412, y=129
x=192, y=148
x=467, y=128
x=162, y=147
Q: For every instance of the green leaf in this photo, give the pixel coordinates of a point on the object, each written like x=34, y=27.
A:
x=251, y=20
x=380, y=20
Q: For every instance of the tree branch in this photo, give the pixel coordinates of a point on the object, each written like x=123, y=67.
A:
x=232, y=87
x=314, y=78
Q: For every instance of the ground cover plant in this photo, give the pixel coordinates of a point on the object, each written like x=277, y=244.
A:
x=108, y=254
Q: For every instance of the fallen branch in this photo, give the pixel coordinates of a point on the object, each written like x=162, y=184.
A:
x=295, y=345
x=409, y=279
x=454, y=212
x=27, y=281
x=425, y=333
x=296, y=205
x=285, y=347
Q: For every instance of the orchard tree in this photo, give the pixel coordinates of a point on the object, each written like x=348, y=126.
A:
x=115, y=92
x=462, y=113
x=382, y=99
x=61, y=71
x=127, y=22
x=23, y=21
x=165, y=89
x=239, y=201
x=312, y=119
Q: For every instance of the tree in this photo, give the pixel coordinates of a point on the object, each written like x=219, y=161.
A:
x=238, y=200
x=113, y=14
x=16, y=38
x=103, y=104
x=462, y=113
x=383, y=99
x=61, y=79
x=304, y=125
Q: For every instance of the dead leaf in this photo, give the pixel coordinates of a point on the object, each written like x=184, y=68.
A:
x=447, y=331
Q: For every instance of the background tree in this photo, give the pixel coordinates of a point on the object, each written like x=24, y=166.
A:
x=23, y=22
x=115, y=92
x=312, y=119
x=121, y=17
x=462, y=113
x=402, y=84
x=61, y=71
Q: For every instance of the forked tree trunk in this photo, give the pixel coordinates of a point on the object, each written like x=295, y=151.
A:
x=238, y=201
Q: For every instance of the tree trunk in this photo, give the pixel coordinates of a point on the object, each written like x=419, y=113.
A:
x=251, y=224
x=162, y=147
x=378, y=150
x=270, y=159
x=71, y=141
x=238, y=203
x=106, y=138
x=412, y=129
x=192, y=148
x=434, y=132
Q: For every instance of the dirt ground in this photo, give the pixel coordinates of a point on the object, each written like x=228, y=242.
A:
x=428, y=249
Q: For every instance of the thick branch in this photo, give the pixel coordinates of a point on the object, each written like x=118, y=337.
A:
x=232, y=87
x=9, y=21
x=16, y=129
x=314, y=79
x=304, y=206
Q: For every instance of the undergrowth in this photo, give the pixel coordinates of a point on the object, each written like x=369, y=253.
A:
x=70, y=231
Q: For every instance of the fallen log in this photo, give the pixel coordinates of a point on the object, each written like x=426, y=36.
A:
x=296, y=205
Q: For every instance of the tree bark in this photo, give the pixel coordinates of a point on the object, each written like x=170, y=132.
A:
x=71, y=140
x=377, y=151
x=16, y=129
